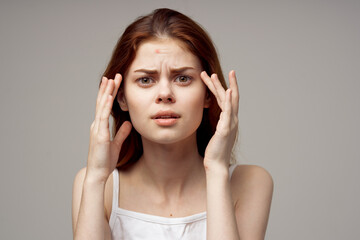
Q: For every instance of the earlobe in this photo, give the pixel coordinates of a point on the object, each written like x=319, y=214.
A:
x=122, y=101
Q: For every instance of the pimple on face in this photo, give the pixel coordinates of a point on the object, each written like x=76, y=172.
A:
x=162, y=50
x=162, y=56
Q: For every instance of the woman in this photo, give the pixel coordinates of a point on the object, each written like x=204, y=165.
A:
x=165, y=174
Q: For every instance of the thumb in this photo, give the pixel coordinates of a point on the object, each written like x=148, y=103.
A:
x=122, y=134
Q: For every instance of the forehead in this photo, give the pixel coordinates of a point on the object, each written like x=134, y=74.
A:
x=154, y=53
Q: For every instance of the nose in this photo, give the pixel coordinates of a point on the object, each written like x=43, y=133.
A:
x=165, y=93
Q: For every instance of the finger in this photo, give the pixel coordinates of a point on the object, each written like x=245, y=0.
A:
x=117, y=81
x=209, y=83
x=228, y=107
x=122, y=134
x=102, y=88
x=235, y=92
x=105, y=114
x=225, y=116
x=102, y=104
x=206, y=79
x=219, y=88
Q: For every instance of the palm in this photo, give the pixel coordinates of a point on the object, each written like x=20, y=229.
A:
x=104, y=153
x=220, y=145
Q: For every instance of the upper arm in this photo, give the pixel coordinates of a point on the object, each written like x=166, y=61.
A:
x=76, y=202
x=252, y=188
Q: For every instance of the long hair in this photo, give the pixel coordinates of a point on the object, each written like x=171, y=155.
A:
x=163, y=23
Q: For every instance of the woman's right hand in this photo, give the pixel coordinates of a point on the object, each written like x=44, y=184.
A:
x=104, y=152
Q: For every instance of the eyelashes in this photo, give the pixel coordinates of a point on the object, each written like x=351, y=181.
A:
x=145, y=81
x=182, y=80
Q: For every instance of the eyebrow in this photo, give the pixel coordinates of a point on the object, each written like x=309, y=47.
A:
x=174, y=70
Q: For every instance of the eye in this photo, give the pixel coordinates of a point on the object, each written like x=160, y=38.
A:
x=183, y=79
x=144, y=81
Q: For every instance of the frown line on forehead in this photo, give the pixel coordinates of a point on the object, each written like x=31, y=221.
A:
x=155, y=71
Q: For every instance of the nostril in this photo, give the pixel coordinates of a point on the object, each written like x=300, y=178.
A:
x=165, y=99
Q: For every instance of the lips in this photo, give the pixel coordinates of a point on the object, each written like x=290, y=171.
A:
x=165, y=115
x=165, y=118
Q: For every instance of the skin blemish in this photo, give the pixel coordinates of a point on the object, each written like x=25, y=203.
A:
x=157, y=50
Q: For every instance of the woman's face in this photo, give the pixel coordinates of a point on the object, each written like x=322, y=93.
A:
x=163, y=91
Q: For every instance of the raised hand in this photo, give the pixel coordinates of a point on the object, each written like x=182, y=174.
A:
x=218, y=151
x=104, y=152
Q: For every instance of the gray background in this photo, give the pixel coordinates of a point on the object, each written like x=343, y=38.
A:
x=298, y=68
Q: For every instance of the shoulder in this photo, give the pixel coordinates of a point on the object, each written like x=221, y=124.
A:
x=80, y=177
x=78, y=187
x=251, y=181
x=252, y=173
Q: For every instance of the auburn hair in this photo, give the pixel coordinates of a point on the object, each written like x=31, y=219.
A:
x=163, y=23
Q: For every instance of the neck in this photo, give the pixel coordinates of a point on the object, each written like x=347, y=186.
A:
x=171, y=168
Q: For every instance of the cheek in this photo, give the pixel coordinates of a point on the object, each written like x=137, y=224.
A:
x=136, y=103
x=137, y=115
x=196, y=97
x=193, y=104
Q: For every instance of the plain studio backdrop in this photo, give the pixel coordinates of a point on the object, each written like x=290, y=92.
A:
x=297, y=64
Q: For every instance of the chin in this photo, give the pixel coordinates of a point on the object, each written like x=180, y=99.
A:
x=169, y=138
x=164, y=140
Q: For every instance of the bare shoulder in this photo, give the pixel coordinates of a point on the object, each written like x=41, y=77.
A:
x=251, y=181
x=80, y=177
x=79, y=182
x=252, y=189
x=77, y=194
x=251, y=175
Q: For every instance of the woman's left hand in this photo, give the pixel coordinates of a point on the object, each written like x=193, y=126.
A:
x=219, y=148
